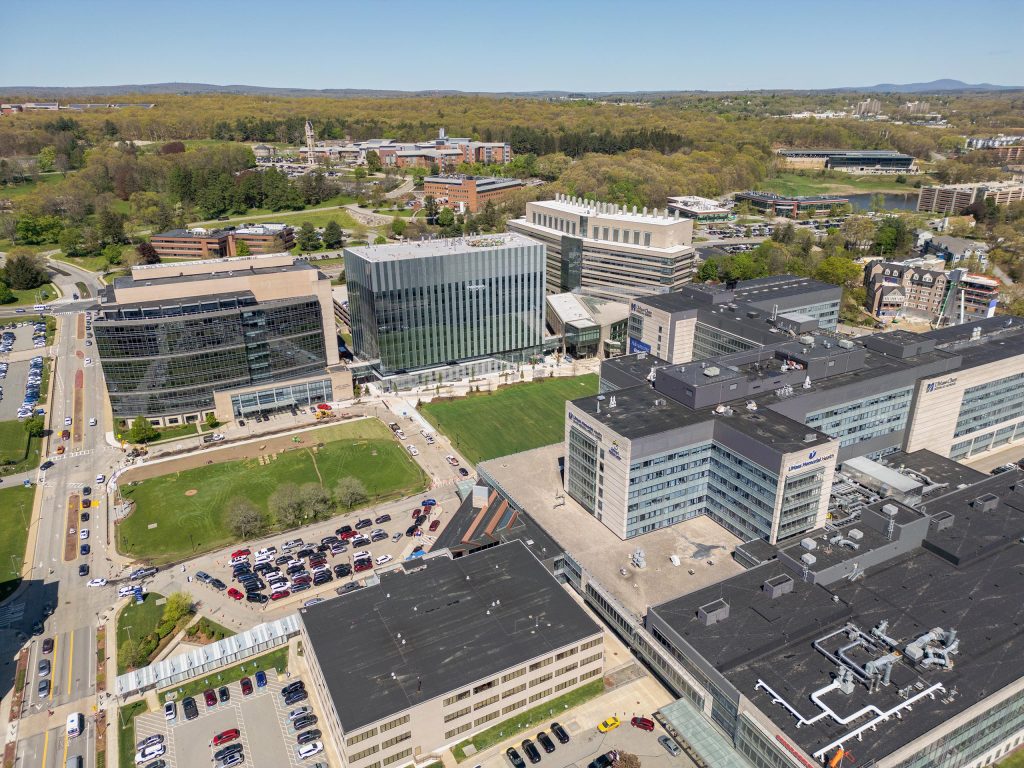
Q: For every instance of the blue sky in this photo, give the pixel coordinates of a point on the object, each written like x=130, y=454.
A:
x=510, y=45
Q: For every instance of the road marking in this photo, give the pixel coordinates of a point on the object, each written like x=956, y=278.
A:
x=71, y=661
x=53, y=670
x=46, y=745
x=64, y=760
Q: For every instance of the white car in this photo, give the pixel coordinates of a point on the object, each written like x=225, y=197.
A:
x=267, y=551
x=237, y=559
x=92, y=422
x=413, y=450
x=101, y=479
x=360, y=555
x=383, y=559
x=308, y=750
x=97, y=583
x=148, y=753
x=170, y=711
x=67, y=421
x=88, y=361
x=125, y=591
x=216, y=437
x=83, y=534
x=452, y=460
x=400, y=435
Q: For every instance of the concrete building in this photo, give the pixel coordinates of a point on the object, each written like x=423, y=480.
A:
x=446, y=308
x=587, y=326
x=202, y=243
x=897, y=290
x=606, y=251
x=861, y=161
x=231, y=337
x=792, y=206
x=868, y=107
x=700, y=209
x=469, y=193
x=709, y=319
x=953, y=199
x=957, y=250
x=442, y=649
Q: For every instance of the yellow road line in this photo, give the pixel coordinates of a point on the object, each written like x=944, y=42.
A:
x=64, y=759
x=53, y=668
x=71, y=661
x=46, y=744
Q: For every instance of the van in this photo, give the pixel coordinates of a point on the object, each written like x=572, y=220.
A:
x=76, y=722
x=74, y=761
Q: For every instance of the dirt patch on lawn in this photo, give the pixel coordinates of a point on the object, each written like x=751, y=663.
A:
x=191, y=492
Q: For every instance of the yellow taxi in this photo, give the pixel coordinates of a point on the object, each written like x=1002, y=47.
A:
x=609, y=725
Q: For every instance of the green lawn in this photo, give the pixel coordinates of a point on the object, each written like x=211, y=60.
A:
x=91, y=263
x=275, y=660
x=165, y=434
x=196, y=523
x=247, y=216
x=15, y=513
x=540, y=716
x=209, y=629
x=1014, y=760
x=41, y=295
x=20, y=190
x=16, y=447
x=126, y=731
x=820, y=184
x=513, y=419
x=137, y=620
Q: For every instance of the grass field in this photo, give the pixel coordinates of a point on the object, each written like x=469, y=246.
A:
x=42, y=294
x=137, y=620
x=1014, y=760
x=815, y=184
x=515, y=418
x=20, y=190
x=268, y=215
x=186, y=524
x=18, y=448
x=91, y=263
x=126, y=731
x=15, y=513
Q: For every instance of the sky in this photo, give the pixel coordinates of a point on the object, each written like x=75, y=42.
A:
x=512, y=45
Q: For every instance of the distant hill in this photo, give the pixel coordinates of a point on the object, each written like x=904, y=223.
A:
x=934, y=86
x=42, y=93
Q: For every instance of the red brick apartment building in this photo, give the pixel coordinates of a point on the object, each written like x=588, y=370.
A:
x=221, y=243
x=469, y=193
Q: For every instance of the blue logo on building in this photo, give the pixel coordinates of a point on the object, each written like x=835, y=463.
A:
x=812, y=454
x=635, y=345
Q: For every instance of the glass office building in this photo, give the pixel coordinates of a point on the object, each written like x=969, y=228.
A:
x=426, y=304
x=168, y=357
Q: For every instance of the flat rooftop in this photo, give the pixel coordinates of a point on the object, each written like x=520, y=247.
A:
x=608, y=211
x=696, y=542
x=437, y=625
x=421, y=249
x=144, y=280
x=771, y=640
x=937, y=469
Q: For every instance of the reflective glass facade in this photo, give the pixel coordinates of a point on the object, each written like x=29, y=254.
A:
x=273, y=398
x=418, y=311
x=989, y=404
x=858, y=420
x=169, y=358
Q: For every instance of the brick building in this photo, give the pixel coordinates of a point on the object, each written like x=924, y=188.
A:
x=469, y=193
x=201, y=243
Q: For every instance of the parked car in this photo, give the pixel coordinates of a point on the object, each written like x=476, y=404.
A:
x=532, y=753
x=156, y=750
x=223, y=694
x=188, y=706
x=246, y=686
x=225, y=736
x=302, y=723
x=226, y=752
x=643, y=723
x=170, y=711
x=149, y=741
x=546, y=743
x=261, y=679
x=295, y=697
x=210, y=697
x=605, y=760
x=308, y=736
x=670, y=746
x=514, y=758
x=609, y=725
x=308, y=750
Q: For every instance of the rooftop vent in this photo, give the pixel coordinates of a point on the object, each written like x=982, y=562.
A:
x=855, y=533
x=987, y=502
x=808, y=559
x=890, y=510
x=810, y=437
x=711, y=370
x=777, y=586
x=845, y=343
x=943, y=520
x=713, y=612
x=809, y=544
x=807, y=341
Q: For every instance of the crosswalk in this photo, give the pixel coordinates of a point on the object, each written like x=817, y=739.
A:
x=11, y=613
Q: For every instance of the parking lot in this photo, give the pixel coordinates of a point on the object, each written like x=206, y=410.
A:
x=261, y=718
x=339, y=559
x=14, y=390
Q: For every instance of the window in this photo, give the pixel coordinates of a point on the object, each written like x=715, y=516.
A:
x=394, y=723
x=457, y=697
x=543, y=663
x=513, y=691
x=461, y=729
x=513, y=707
x=396, y=739
x=590, y=674
x=397, y=756
x=486, y=718
x=541, y=679
x=541, y=695
x=353, y=740
x=565, y=669
x=513, y=675
x=485, y=703
x=456, y=715
x=591, y=659
x=565, y=654
x=365, y=753
x=566, y=684
x=485, y=686
x=592, y=643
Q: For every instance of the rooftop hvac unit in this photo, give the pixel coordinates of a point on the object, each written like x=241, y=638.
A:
x=890, y=509
x=808, y=559
x=711, y=370
x=807, y=341
x=855, y=533
x=751, y=405
x=808, y=544
x=845, y=343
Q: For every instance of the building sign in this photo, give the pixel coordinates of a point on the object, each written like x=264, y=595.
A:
x=793, y=751
x=640, y=310
x=614, y=450
x=584, y=426
x=635, y=345
x=813, y=459
x=942, y=384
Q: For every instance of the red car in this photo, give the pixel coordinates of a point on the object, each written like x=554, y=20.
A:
x=346, y=535
x=241, y=553
x=224, y=737
x=323, y=407
x=416, y=513
x=210, y=697
x=363, y=565
x=246, y=686
x=642, y=723
x=280, y=594
x=435, y=525
x=234, y=594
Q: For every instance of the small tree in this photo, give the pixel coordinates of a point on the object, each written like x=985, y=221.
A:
x=142, y=431
x=36, y=426
x=24, y=270
x=6, y=294
x=316, y=502
x=348, y=492
x=309, y=238
x=334, y=237
x=359, y=173
x=113, y=254
x=373, y=164
x=380, y=240
x=245, y=519
x=211, y=421
x=242, y=248
x=131, y=654
x=147, y=253
x=397, y=226
x=286, y=505
x=178, y=605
